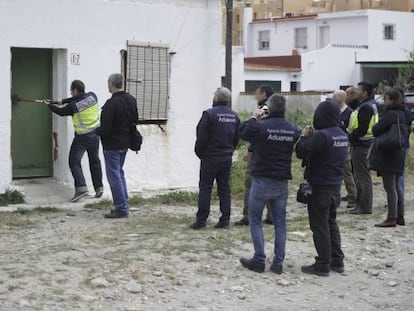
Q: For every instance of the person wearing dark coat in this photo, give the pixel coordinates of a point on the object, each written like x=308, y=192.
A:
x=390, y=163
x=324, y=151
x=217, y=138
x=118, y=113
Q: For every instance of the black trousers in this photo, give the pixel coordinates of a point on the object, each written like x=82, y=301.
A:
x=395, y=195
x=362, y=177
x=322, y=220
x=217, y=169
x=85, y=143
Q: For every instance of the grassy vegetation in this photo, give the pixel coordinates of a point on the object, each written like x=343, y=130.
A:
x=11, y=197
x=37, y=210
x=237, y=180
x=170, y=198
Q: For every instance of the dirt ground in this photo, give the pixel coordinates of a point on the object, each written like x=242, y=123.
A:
x=73, y=259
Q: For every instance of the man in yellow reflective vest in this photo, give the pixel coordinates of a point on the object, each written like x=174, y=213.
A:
x=362, y=119
x=84, y=109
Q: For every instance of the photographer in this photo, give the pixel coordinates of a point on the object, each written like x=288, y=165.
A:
x=324, y=151
x=273, y=139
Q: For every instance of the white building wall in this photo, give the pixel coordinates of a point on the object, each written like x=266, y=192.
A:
x=98, y=30
x=282, y=37
x=352, y=30
x=381, y=50
x=328, y=68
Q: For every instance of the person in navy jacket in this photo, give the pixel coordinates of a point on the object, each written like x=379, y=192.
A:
x=272, y=139
x=217, y=137
x=324, y=151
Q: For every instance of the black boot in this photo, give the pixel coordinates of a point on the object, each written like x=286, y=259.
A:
x=222, y=225
x=316, y=269
x=198, y=225
x=252, y=265
x=242, y=222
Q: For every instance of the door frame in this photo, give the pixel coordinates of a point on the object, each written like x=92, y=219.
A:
x=59, y=82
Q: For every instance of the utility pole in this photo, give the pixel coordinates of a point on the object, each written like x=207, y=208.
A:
x=229, y=43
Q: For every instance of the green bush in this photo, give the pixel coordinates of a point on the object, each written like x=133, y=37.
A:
x=11, y=197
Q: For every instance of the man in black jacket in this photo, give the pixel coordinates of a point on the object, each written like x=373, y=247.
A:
x=117, y=115
x=324, y=152
x=263, y=92
x=273, y=139
x=217, y=137
x=362, y=120
x=83, y=107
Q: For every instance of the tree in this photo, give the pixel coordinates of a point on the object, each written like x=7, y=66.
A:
x=404, y=79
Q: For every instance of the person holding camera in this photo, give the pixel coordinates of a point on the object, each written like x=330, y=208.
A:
x=263, y=92
x=273, y=139
x=324, y=151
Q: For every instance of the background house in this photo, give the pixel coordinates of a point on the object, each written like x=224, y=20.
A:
x=265, y=9
x=172, y=68
x=325, y=51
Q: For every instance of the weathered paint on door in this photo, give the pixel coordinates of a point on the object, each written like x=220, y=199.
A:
x=31, y=141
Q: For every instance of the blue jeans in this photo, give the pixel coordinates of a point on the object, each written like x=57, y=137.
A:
x=85, y=143
x=114, y=162
x=275, y=192
x=214, y=169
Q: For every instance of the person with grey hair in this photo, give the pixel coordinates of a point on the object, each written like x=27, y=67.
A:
x=272, y=139
x=217, y=137
x=118, y=114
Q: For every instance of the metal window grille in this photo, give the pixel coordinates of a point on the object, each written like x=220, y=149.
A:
x=147, y=79
x=264, y=40
x=301, y=38
x=389, y=32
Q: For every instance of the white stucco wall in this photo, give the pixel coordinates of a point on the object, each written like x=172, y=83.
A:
x=98, y=30
x=345, y=29
x=282, y=37
x=329, y=68
x=381, y=50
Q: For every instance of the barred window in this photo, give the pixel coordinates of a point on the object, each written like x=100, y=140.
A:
x=147, y=72
x=389, y=32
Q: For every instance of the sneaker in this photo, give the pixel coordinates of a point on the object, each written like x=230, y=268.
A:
x=277, y=268
x=99, y=193
x=113, y=214
x=338, y=269
x=253, y=265
x=222, y=225
x=242, y=222
x=78, y=196
x=316, y=270
x=197, y=225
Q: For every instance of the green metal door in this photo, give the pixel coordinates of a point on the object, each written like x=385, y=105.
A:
x=31, y=141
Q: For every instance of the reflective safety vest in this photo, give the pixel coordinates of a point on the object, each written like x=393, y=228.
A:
x=87, y=118
x=354, y=123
